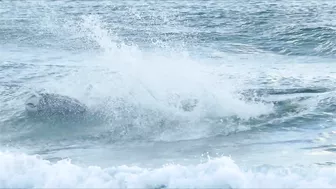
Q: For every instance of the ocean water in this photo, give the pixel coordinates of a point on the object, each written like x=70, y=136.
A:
x=181, y=94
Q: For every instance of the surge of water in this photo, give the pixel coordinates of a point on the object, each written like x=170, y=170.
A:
x=163, y=83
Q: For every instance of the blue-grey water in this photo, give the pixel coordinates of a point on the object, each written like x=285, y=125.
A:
x=181, y=94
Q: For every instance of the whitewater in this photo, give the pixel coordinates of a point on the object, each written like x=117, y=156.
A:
x=180, y=94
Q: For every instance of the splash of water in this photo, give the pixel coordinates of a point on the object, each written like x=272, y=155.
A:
x=149, y=91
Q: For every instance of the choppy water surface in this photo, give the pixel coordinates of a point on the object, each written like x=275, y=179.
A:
x=181, y=94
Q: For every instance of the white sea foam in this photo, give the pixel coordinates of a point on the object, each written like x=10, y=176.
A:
x=25, y=171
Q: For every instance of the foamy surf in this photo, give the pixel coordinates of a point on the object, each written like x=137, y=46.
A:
x=26, y=171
